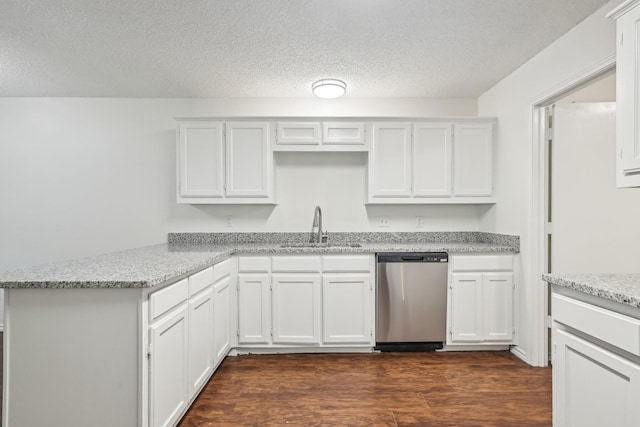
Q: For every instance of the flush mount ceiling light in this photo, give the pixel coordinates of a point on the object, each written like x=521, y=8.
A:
x=329, y=88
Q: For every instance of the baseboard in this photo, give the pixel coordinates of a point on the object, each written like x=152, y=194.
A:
x=291, y=350
x=517, y=351
x=490, y=347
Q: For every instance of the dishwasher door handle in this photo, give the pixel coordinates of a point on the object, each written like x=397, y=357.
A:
x=412, y=258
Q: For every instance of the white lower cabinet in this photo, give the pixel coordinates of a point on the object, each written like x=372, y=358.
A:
x=254, y=308
x=596, y=365
x=221, y=319
x=346, y=308
x=168, y=373
x=296, y=308
x=188, y=337
x=200, y=339
x=481, y=295
x=305, y=301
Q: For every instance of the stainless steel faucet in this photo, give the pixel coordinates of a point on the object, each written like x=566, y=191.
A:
x=317, y=236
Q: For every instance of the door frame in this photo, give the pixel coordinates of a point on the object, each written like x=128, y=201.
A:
x=540, y=173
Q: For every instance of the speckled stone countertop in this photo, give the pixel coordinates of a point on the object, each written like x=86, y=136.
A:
x=189, y=252
x=622, y=288
x=136, y=268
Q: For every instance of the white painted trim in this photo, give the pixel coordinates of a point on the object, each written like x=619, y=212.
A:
x=563, y=88
x=622, y=9
x=517, y=351
x=538, y=354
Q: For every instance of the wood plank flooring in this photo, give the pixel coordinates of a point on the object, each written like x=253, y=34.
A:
x=387, y=389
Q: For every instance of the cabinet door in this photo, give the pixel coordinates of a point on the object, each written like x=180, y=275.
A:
x=627, y=98
x=472, y=145
x=497, y=306
x=254, y=304
x=592, y=386
x=432, y=160
x=390, y=160
x=249, y=165
x=296, y=308
x=298, y=133
x=221, y=321
x=200, y=340
x=200, y=160
x=346, y=308
x=466, y=307
x=343, y=133
x=168, y=374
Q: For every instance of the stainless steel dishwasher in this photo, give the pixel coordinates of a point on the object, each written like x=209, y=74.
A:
x=411, y=301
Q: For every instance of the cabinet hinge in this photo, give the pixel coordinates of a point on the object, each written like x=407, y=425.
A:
x=271, y=332
x=149, y=351
x=620, y=153
x=238, y=333
x=547, y=321
x=548, y=228
x=621, y=39
x=370, y=332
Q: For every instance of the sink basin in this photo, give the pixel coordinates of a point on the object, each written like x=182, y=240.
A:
x=320, y=245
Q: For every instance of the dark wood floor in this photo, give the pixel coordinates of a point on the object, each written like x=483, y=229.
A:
x=389, y=389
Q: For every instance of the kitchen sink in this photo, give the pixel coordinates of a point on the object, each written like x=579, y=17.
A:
x=320, y=245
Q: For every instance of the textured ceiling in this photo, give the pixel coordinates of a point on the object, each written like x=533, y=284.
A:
x=272, y=48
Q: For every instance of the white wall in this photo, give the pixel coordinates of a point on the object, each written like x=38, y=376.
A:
x=590, y=42
x=85, y=176
x=595, y=225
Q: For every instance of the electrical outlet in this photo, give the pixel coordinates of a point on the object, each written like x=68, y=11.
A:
x=383, y=221
x=228, y=221
x=419, y=222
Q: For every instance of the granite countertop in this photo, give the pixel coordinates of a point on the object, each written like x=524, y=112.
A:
x=189, y=252
x=622, y=288
x=137, y=268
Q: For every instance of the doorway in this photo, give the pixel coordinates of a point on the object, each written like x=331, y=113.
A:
x=565, y=115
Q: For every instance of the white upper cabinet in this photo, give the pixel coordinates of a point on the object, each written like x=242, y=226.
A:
x=249, y=160
x=472, y=159
x=432, y=160
x=307, y=133
x=439, y=162
x=224, y=163
x=344, y=135
x=627, y=18
x=390, y=161
x=201, y=160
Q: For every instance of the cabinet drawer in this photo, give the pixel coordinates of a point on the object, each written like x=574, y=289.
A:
x=298, y=133
x=307, y=264
x=221, y=270
x=481, y=262
x=614, y=328
x=167, y=298
x=350, y=263
x=253, y=264
x=200, y=280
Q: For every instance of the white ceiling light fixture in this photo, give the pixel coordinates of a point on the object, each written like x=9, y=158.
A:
x=329, y=88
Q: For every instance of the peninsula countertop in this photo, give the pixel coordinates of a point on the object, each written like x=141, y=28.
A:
x=152, y=265
x=622, y=288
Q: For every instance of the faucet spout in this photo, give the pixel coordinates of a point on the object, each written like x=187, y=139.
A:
x=316, y=227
